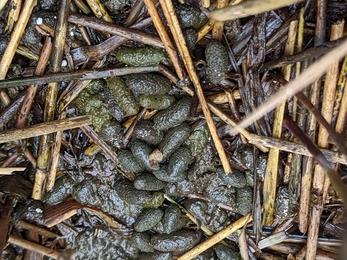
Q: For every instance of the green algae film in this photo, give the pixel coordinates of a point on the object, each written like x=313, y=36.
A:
x=91, y=103
x=145, y=56
x=123, y=95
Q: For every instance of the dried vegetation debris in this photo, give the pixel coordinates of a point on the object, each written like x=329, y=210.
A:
x=165, y=146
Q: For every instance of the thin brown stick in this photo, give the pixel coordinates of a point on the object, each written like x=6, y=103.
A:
x=37, y=229
x=44, y=128
x=130, y=130
x=33, y=246
x=80, y=75
x=11, y=110
x=128, y=33
x=170, y=15
x=13, y=44
x=216, y=238
x=96, y=52
x=307, y=54
x=314, y=71
x=32, y=89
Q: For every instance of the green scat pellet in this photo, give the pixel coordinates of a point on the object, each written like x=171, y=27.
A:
x=217, y=61
x=127, y=192
x=156, y=200
x=178, y=164
x=142, y=241
x=244, y=198
x=190, y=16
x=145, y=131
x=235, y=179
x=147, y=83
x=226, y=253
x=173, y=139
x=163, y=175
x=128, y=161
x=123, y=95
x=158, y=102
x=178, y=241
x=148, y=219
x=148, y=181
x=157, y=256
x=198, y=139
x=174, y=115
x=141, y=151
x=173, y=219
x=180, y=161
x=145, y=56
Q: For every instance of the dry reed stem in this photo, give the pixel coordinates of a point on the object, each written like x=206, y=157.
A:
x=55, y=156
x=13, y=44
x=316, y=70
x=291, y=147
x=218, y=27
x=36, y=229
x=164, y=36
x=300, y=117
x=270, y=177
x=341, y=118
x=170, y=15
x=32, y=89
x=13, y=15
x=33, y=246
x=211, y=241
x=205, y=3
x=204, y=30
x=100, y=12
x=341, y=84
x=82, y=6
x=248, y=8
x=308, y=165
x=320, y=181
x=10, y=170
x=44, y=129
